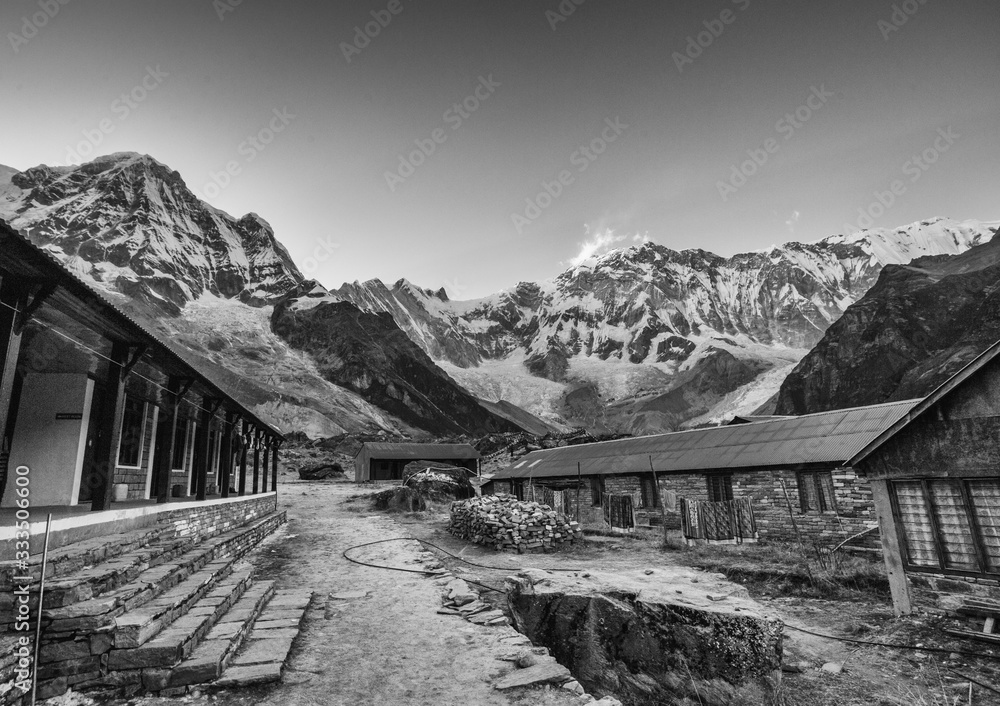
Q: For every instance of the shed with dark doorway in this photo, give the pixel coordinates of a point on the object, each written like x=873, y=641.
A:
x=385, y=461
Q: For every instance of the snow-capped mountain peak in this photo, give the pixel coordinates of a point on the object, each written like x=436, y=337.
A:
x=144, y=233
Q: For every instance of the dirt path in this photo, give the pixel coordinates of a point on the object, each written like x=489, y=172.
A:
x=390, y=647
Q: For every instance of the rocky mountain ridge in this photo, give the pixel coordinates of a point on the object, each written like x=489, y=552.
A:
x=131, y=223
x=919, y=325
x=639, y=340
x=685, y=335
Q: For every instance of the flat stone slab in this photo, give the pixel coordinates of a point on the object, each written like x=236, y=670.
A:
x=539, y=674
x=262, y=651
x=483, y=618
x=248, y=675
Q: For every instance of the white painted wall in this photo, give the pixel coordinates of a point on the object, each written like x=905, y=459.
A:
x=52, y=448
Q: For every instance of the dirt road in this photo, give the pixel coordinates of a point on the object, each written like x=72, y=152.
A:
x=389, y=647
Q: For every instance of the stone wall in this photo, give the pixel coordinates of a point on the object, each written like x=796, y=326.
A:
x=855, y=510
x=218, y=517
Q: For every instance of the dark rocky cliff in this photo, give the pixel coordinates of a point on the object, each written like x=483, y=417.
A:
x=370, y=355
x=915, y=328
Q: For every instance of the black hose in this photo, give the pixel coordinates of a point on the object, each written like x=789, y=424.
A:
x=422, y=572
x=942, y=650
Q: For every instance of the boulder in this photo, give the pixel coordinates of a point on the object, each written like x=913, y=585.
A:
x=631, y=635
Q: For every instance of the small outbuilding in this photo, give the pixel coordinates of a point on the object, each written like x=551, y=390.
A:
x=385, y=461
x=935, y=477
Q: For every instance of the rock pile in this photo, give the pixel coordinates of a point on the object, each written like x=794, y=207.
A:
x=507, y=523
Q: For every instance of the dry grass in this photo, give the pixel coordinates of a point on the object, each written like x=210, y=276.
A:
x=782, y=569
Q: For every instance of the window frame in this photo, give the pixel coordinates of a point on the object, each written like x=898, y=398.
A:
x=818, y=480
x=970, y=516
x=181, y=432
x=597, y=491
x=144, y=412
x=726, y=484
x=647, y=488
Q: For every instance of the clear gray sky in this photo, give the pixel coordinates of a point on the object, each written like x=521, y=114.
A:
x=864, y=93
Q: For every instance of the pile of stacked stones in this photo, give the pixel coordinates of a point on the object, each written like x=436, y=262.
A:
x=509, y=524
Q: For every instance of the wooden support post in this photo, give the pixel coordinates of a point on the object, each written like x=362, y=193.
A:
x=266, y=466
x=244, y=449
x=226, y=454
x=256, y=462
x=579, y=480
x=891, y=549
x=13, y=300
x=274, y=466
x=166, y=436
x=109, y=429
x=201, y=451
x=658, y=498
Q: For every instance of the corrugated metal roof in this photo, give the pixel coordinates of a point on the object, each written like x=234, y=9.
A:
x=431, y=452
x=825, y=437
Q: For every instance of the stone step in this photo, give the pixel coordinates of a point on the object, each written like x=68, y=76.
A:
x=182, y=619
x=83, y=554
x=99, y=614
x=207, y=588
x=109, y=575
x=262, y=659
x=213, y=654
x=178, y=637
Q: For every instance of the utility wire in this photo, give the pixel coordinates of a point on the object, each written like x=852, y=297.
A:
x=133, y=373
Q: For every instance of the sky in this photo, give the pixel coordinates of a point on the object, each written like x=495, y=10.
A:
x=472, y=145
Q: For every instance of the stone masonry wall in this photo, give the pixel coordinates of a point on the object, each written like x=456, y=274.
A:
x=855, y=508
x=216, y=518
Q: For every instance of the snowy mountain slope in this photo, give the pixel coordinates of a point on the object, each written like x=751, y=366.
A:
x=628, y=325
x=131, y=223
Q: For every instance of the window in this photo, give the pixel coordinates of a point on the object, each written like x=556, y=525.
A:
x=949, y=524
x=596, y=490
x=649, y=492
x=517, y=488
x=816, y=491
x=180, y=445
x=720, y=488
x=133, y=418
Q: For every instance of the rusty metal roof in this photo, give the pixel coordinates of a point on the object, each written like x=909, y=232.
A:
x=418, y=452
x=825, y=437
